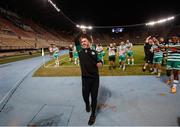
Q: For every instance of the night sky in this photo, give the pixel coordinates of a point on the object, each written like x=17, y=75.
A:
x=111, y=12
x=93, y=12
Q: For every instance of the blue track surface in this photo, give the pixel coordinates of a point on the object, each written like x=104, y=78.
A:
x=57, y=101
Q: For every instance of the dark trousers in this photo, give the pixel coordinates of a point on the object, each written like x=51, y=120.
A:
x=90, y=86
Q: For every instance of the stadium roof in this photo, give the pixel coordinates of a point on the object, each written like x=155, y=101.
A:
x=101, y=12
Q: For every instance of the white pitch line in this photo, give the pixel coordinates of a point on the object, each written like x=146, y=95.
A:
x=71, y=66
x=58, y=60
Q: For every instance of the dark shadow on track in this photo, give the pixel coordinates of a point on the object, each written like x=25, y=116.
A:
x=178, y=121
x=104, y=95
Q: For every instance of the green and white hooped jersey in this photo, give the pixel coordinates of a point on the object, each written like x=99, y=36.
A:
x=75, y=53
x=112, y=51
x=173, y=52
x=129, y=46
x=99, y=49
x=122, y=50
x=55, y=55
x=56, y=52
x=157, y=51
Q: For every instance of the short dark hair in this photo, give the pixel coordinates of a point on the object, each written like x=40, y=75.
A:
x=86, y=36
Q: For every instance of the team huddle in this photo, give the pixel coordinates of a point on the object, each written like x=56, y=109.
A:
x=90, y=57
x=158, y=53
x=123, y=51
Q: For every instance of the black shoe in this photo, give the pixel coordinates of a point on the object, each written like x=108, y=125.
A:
x=92, y=120
x=88, y=108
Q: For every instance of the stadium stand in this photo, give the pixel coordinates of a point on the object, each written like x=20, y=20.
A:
x=17, y=33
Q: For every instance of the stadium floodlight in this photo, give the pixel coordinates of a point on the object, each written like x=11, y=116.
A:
x=54, y=5
x=160, y=21
x=84, y=27
x=89, y=27
x=151, y=23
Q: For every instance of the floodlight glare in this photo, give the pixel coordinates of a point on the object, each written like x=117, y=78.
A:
x=90, y=27
x=84, y=27
x=170, y=18
x=160, y=21
x=150, y=23
x=54, y=5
